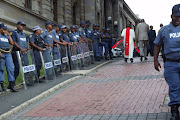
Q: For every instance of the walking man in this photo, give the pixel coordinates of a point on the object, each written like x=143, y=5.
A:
x=129, y=36
x=142, y=30
x=169, y=37
x=152, y=36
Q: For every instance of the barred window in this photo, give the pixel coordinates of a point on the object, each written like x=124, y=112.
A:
x=28, y=4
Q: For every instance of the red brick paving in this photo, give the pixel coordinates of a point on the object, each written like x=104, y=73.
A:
x=122, y=97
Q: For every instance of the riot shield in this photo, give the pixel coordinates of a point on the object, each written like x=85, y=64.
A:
x=27, y=67
x=73, y=59
x=86, y=54
x=80, y=55
x=57, y=60
x=91, y=53
x=48, y=65
x=64, y=58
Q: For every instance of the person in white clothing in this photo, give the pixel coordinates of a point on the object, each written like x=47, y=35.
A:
x=128, y=35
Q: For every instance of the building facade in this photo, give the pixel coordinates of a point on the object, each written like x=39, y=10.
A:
x=68, y=12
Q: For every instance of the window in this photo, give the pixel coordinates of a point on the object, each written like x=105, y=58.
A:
x=28, y=4
x=55, y=10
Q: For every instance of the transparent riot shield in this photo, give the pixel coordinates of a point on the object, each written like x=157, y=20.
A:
x=86, y=54
x=80, y=55
x=64, y=58
x=47, y=61
x=57, y=60
x=73, y=57
x=91, y=53
x=27, y=67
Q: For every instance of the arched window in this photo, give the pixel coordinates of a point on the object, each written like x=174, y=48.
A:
x=28, y=4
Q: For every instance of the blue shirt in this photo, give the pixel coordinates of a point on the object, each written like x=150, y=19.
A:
x=81, y=32
x=65, y=37
x=152, y=35
x=55, y=35
x=88, y=32
x=104, y=39
x=20, y=38
x=4, y=41
x=47, y=36
x=169, y=36
x=94, y=35
x=73, y=37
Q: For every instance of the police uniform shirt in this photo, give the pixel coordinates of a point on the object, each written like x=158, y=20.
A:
x=77, y=35
x=88, y=32
x=82, y=32
x=169, y=36
x=47, y=36
x=4, y=41
x=65, y=37
x=73, y=37
x=94, y=35
x=39, y=42
x=20, y=38
x=104, y=39
x=55, y=35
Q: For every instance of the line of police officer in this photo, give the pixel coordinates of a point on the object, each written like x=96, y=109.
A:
x=50, y=39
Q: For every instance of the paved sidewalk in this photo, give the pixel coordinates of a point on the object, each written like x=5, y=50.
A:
x=117, y=91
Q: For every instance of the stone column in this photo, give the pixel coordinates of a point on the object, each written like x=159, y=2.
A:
x=47, y=9
x=67, y=13
x=60, y=8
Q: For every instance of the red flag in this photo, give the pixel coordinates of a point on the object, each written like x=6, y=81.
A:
x=117, y=44
x=127, y=41
x=136, y=48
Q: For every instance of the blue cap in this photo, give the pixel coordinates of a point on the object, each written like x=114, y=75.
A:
x=176, y=10
x=73, y=26
x=82, y=23
x=97, y=25
x=108, y=29
x=59, y=26
x=94, y=25
x=63, y=26
x=76, y=26
x=2, y=25
x=21, y=23
x=48, y=23
x=88, y=22
x=36, y=28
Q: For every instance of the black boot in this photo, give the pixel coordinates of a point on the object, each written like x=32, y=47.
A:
x=125, y=59
x=141, y=58
x=174, y=112
x=146, y=58
x=2, y=87
x=131, y=60
x=11, y=87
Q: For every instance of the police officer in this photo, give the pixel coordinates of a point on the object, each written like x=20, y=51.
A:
x=20, y=44
x=169, y=36
x=81, y=31
x=104, y=42
x=109, y=43
x=73, y=36
x=87, y=29
x=37, y=44
x=95, y=39
x=6, y=58
x=47, y=35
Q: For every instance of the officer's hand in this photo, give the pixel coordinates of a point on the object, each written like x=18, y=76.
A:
x=50, y=45
x=23, y=51
x=47, y=48
x=57, y=45
x=157, y=66
x=41, y=49
x=0, y=54
x=6, y=32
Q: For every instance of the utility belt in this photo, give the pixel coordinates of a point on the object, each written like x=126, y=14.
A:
x=5, y=50
x=171, y=60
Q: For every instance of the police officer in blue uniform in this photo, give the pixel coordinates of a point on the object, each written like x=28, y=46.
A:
x=87, y=29
x=6, y=58
x=47, y=35
x=169, y=36
x=104, y=42
x=38, y=45
x=109, y=43
x=82, y=32
x=20, y=44
x=95, y=39
x=73, y=36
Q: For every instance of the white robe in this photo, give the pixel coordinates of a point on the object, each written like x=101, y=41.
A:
x=131, y=42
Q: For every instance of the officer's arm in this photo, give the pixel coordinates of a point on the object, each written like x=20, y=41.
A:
x=10, y=40
x=35, y=46
x=156, y=54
